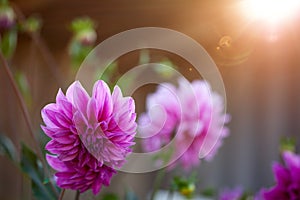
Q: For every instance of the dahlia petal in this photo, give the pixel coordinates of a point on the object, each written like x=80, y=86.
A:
x=291, y=159
x=70, y=92
x=47, y=131
x=80, y=97
x=62, y=120
x=92, y=111
x=48, y=116
x=101, y=93
x=96, y=186
x=55, y=163
x=67, y=156
x=282, y=175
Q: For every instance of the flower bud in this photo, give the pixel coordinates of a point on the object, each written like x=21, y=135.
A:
x=86, y=37
x=7, y=17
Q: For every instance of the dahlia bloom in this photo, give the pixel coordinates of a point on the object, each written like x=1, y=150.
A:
x=191, y=112
x=287, y=179
x=90, y=136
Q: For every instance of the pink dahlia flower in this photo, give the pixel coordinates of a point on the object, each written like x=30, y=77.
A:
x=287, y=178
x=90, y=136
x=191, y=114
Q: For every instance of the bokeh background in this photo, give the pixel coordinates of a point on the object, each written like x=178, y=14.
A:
x=259, y=63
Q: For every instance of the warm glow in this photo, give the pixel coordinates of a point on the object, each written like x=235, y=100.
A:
x=271, y=11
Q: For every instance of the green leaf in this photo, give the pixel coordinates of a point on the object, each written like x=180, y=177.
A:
x=208, y=192
x=287, y=144
x=31, y=24
x=81, y=24
x=110, y=196
x=31, y=166
x=7, y=148
x=130, y=195
x=24, y=87
x=78, y=53
x=8, y=43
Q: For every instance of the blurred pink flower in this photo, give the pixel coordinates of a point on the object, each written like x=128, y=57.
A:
x=287, y=178
x=192, y=112
x=90, y=136
x=231, y=194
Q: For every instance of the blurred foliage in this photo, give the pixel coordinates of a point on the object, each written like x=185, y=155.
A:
x=8, y=43
x=110, y=196
x=32, y=167
x=167, y=70
x=24, y=87
x=110, y=75
x=186, y=186
x=7, y=148
x=83, y=40
x=287, y=144
x=208, y=192
x=31, y=24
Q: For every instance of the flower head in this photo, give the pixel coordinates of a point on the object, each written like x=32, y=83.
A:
x=287, y=179
x=191, y=115
x=7, y=17
x=90, y=136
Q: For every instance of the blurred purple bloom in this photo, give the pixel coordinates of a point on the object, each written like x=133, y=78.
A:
x=90, y=136
x=7, y=17
x=192, y=112
x=287, y=179
x=234, y=194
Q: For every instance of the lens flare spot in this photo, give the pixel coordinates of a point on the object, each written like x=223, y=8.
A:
x=270, y=11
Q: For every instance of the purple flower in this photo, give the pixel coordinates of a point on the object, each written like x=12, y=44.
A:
x=90, y=136
x=287, y=179
x=234, y=194
x=192, y=112
x=7, y=17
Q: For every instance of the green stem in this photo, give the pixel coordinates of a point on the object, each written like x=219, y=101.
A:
x=157, y=182
x=61, y=195
x=25, y=113
x=21, y=102
x=77, y=195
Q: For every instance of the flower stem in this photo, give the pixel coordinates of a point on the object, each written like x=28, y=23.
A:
x=22, y=104
x=157, y=182
x=25, y=113
x=61, y=195
x=77, y=195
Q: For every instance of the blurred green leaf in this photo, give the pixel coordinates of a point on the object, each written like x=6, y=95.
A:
x=167, y=70
x=31, y=24
x=209, y=192
x=287, y=144
x=78, y=53
x=8, y=148
x=144, y=57
x=8, y=43
x=82, y=24
x=31, y=166
x=110, y=196
x=109, y=74
x=130, y=195
x=185, y=186
x=23, y=84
